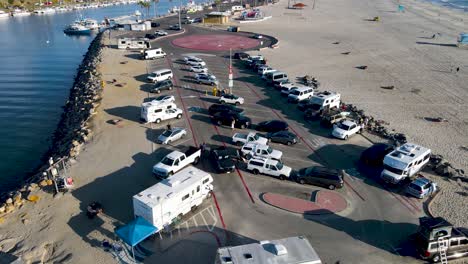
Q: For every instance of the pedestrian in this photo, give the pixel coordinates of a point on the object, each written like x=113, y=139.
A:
x=169, y=127
x=433, y=36
x=458, y=69
x=233, y=122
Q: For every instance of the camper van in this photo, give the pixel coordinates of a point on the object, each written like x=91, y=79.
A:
x=133, y=43
x=155, y=110
x=237, y=8
x=171, y=198
x=152, y=54
x=275, y=77
x=403, y=162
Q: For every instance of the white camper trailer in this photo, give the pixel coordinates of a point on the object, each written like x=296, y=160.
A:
x=171, y=198
x=153, y=54
x=405, y=161
x=133, y=43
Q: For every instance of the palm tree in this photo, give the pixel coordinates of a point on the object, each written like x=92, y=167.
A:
x=145, y=5
x=154, y=7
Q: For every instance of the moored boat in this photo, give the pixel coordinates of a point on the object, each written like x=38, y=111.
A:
x=4, y=14
x=76, y=29
x=20, y=12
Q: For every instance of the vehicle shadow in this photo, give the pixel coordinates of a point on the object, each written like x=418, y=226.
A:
x=381, y=234
x=146, y=87
x=222, y=139
x=152, y=134
x=129, y=112
x=202, y=118
x=114, y=191
x=142, y=78
x=133, y=55
x=435, y=44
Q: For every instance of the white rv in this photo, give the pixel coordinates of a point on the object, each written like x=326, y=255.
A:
x=153, y=54
x=133, y=43
x=322, y=102
x=174, y=197
x=156, y=111
x=405, y=161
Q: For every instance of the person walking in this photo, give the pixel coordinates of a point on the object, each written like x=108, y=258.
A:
x=233, y=122
x=458, y=69
x=169, y=127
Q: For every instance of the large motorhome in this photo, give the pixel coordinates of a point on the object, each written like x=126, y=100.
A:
x=133, y=43
x=403, y=162
x=155, y=111
x=174, y=197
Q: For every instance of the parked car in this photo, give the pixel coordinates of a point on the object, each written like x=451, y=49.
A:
x=231, y=99
x=155, y=24
x=164, y=99
x=175, y=27
x=279, y=84
x=269, y=167
x=197, y=20
x=265, y=69
x=250, y=150
x=283, y=137
x=199, y=69
x=151, y=36
x=206, y=79
x=225, y=118
x=214, y=108
x=192, y=61
x=272, y=126
x=207, y=75
x=240, y=56
x=223, y=159
x=175, y=161
x=241, y=138
x=346, y=128
x=162, y=85
x=421, y=187
x=321, y=176
x=374, y=155
x=288, y=88
x=169, y=136
x=161, y=33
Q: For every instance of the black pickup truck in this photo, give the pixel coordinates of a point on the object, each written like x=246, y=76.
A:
x=224, y=159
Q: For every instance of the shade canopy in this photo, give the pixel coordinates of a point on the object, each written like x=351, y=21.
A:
x=136, y=231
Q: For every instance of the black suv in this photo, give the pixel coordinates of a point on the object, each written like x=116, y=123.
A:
x=215, y=108
x=223, y=159
x=320, y=176
x=162, y=85
x=225, y=118
x=151, y=36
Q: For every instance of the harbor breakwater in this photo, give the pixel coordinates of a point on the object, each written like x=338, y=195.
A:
x=74, y=128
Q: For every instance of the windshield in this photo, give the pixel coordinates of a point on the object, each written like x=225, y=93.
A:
x=315, y=106
x=394, y=170
x=295, y=92
x=167, y=161
x=269, y=150
x=279, y=166
x=343, y=126
x=317, y=100
x=167, y=133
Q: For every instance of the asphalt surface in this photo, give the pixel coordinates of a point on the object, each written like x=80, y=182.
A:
x=373, y=229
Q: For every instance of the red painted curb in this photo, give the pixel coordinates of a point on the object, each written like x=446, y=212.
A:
x=326, y=202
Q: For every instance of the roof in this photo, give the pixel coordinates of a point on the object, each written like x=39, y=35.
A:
x=215, y=13
x=325, y=95
x=348, y=122
x=170, y=186
x=155, y=103
x=286, y=250
x=405, y=154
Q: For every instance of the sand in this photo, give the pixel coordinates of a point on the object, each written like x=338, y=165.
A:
x=55, y=229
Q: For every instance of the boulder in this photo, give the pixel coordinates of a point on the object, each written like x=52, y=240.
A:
x=9, y=201
x=43, y=183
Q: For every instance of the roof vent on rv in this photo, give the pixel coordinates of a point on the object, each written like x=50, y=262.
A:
x=279, y=249
x=227, y=260
x=151, y=196
x=248, y=256
x=174, y=183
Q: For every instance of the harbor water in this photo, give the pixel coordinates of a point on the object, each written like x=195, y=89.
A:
x=38, y=65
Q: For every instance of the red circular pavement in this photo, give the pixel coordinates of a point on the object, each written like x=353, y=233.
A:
x=216, y=42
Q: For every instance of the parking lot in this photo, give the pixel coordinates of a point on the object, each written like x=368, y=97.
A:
x=377, y=220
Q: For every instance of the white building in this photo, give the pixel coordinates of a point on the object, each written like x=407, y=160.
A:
x=289, y=250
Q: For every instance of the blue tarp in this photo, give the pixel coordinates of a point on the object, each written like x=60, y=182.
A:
x=463, y=39
x=136, y=231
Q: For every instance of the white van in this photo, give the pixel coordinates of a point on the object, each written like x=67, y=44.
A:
x=405, y=161
x=133, y=43
x=300, y=94
x=276, y=76
x=168, y=200
x=153, y=54
x=151, y=110
x=160, y=75
x=237, y=8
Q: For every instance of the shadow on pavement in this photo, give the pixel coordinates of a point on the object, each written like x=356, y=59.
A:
x=129, y=112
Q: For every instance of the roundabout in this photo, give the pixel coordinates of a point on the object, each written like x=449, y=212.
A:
x=216, y=42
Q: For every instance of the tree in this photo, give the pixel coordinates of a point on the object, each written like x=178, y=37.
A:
x=145, y=5
x=154, y=7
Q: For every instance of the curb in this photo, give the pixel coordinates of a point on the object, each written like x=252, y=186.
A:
x=171, y=35
x=429, y=203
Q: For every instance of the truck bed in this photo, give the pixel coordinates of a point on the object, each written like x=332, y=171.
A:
x=191, y=151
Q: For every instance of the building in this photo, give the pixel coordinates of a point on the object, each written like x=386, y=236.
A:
x=282, y=251
x=217, y=18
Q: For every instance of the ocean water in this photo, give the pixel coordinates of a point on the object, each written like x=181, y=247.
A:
x=461, y=5
x=37, y=65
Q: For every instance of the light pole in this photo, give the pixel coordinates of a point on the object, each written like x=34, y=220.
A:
x=230, y=83
x=180, y=10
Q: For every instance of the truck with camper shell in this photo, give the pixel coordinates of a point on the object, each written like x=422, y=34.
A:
x=175, y=161
x=404, y=162
x=322, y=102
x=155, y=111
x=133, y=43
x=170, y=199
x=241, y=138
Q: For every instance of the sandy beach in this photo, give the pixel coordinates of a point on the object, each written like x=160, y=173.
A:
x=116, y=163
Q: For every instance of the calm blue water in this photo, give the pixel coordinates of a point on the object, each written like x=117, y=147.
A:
x=455, y=4
x=37, y=66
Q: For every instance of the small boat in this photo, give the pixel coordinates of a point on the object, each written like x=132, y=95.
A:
x=91, y=24
x=20, y=12
x=4, y=14
x=76, y=29
x=44, y=11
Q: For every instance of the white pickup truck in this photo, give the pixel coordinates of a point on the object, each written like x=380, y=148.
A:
x=175, y=161
x=240, y=138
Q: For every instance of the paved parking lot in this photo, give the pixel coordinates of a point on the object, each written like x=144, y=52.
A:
x=372, y=228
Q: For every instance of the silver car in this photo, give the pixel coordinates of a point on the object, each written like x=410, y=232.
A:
x=421, y=187
x=169, y=136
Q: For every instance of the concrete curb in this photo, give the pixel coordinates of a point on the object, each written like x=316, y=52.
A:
x=255, y=21
x=171, y=35
x=427, y=208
